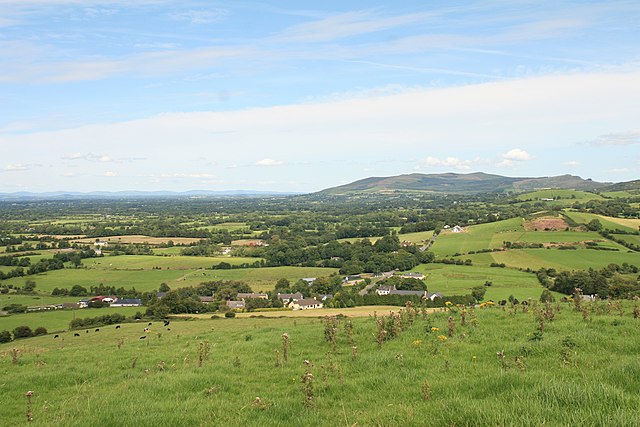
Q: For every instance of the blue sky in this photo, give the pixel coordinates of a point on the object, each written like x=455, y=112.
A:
x=300, y=96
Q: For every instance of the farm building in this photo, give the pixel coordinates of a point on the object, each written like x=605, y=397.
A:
x=412, y=275
x=290, y=297
x=245, y=295
x=235, y=305
x=124, y=302
x=305, y=304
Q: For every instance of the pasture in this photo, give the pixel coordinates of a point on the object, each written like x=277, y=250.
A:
x=560, y=195
x=58, y=320
x=607, y=222
x=578, y=259
x=141, y=239
x=460, y=279
x=498, y=370
x=475, y=237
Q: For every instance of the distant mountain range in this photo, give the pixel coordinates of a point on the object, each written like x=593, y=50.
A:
x=72, y=195
x=471, y=183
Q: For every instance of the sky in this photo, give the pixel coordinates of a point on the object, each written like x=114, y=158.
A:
x=112, y=95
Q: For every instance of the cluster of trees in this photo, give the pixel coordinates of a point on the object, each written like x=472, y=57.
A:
x=90, y=322
x=21, y=332
x=616, y=281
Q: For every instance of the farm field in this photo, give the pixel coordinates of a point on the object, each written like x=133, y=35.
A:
x=606, y=221
x=141, y=239
x=630, y=238
x=260, y=279
x=547, y=237
x=147, y=262
x=58, y=320
x=150, y=279
x=474, y=237
x=562, y=195
x=534, y=384
x=460, y=279
x=559, y=259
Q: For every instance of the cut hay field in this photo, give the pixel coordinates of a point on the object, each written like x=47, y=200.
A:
x=141, y=239
x=575, y=373
x=260, y=279
x=460, y=279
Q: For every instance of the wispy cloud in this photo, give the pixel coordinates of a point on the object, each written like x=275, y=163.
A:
x=513, y=158
x=110, y=174
x=620, y=138
x=104, y=158
x=347, y=25
x=207, y=16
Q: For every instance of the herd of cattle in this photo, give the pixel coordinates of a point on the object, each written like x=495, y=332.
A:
x=145, y=330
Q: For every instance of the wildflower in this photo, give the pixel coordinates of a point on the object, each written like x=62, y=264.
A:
x=442, y=337
x=448, y=303
x=416, y=343
x=474, y=358
x=435, y=329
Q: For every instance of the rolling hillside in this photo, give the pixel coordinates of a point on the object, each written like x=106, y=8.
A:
x=462, y=183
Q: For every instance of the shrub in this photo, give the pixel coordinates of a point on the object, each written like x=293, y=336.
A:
x=40, y=330
x=22, y=332
x=5, y=336
x=230, y=314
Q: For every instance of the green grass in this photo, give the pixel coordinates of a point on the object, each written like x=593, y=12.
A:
x=579, y=259
x=147, y=262
x=459, y=280
x=630, y=238
x=475, y=237
x=58, y=320
x=607, y=222
x=149, y=280
x=617, y=194
x=564, y=195
x=579, y=373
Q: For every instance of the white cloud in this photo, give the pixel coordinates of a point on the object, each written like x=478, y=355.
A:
x=269, y=162
x=571, y=163
x=620, y=138
x=453, y=162
x=517, y=155
x=619, y=170
x=110, y=174
x=16, y=167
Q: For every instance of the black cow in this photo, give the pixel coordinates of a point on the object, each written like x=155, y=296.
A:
x=56, y=336
x=142, y=337
x=149, y=324
x=76, y=335
x=118, y=327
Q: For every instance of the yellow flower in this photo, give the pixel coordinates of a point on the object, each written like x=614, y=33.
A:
x=416, y=343
x=435, y=329
x=473, y=358
x=448, y=303
x=442, y=337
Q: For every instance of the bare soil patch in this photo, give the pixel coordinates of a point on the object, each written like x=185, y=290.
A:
x=546, y=223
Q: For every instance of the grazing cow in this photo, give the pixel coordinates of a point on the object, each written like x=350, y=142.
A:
x=168, y=329
x=118, y=327
x=146, y=330
x=149, y=324
x=76, y=335
x=87, y=331
x=97, y=330
x=56, y=336
x=166, y=323
x=142, y=338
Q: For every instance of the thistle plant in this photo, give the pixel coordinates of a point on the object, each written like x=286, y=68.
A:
x=285, y=347
x=502, y=360
x=331, y=330
x=577, y=299
x=15, y=356
x=307, y=388
x=636, y=310
x=451, y=326
x=203, y=352
x=381, y=336
x=463, y=317
x=277, y=362
x=348, y=329
x=29, y=412
x=354, y=352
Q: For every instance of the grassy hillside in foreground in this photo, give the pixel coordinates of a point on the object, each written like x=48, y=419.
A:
x=575, y=373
